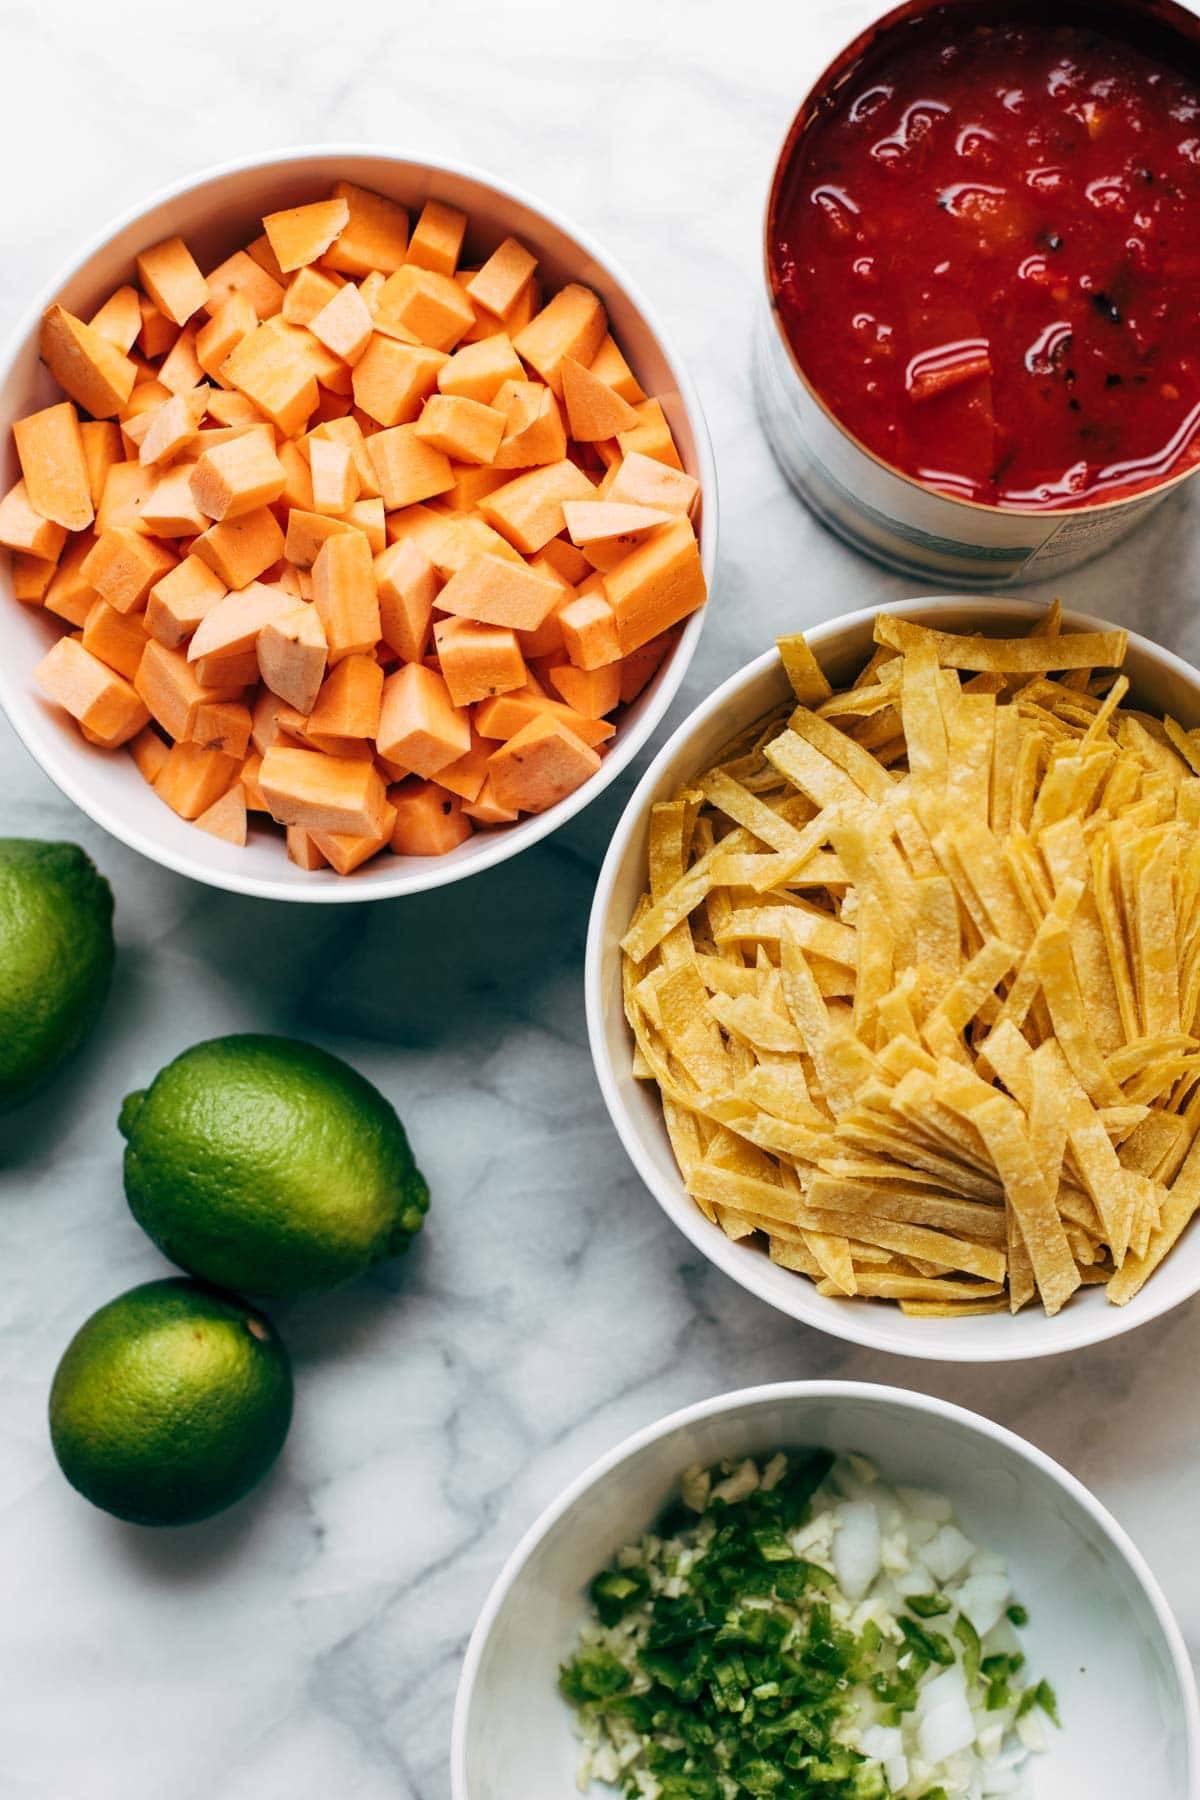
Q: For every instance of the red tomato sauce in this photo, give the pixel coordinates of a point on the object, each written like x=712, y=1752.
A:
x=985, y=252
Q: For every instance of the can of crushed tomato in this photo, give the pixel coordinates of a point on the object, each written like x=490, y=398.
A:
x=979, y=358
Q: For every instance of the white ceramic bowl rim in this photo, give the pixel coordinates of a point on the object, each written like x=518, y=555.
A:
x=499, y=845
x=854, y=1323
x=767, y=1394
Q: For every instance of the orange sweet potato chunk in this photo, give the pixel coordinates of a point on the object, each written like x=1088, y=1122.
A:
x=86, y=365
x=419, y=726
x=541, y=764
x=429, y=819
x=302, y=234
x=322, y=793
x=169, y=275
x=102, y=701
x=50, y=449
x=656, y=585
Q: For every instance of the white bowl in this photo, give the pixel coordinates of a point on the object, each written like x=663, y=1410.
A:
x=1160, y=681
x=216, y=212
x=1099, y=1628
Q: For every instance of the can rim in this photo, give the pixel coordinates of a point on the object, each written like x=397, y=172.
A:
x=835, y=73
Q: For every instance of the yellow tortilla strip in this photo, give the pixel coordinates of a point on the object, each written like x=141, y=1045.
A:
x=804, y=672
x=1010, y=656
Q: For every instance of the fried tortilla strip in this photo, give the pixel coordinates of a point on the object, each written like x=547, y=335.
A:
x=1002, y=1127
x=1009, y=656
x=841, y=751
x=805, y=675
x=1182, y=1200
x=1060, y=985
x=923, y=1287
x=949, y=1309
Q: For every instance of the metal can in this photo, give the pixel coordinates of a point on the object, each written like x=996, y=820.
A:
x=872, y=504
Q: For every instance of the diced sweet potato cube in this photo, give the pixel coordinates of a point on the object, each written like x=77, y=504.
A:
x=437, y=238
x=226, y=817
x=406, y=468
x=127, y=487
x=494, y=591
x=651, y=436
x=180, y=370
x=168, y=273
x=302, y=234
x=507, y=714
x=343, y=324
x=656, y=585
x=123, y=565
x=419, y=725
x=292, y=655
x=485, y=809
x=645, y=481
x=349, y=432
x=369, y=517
x=392, y=380
x=119, y=319
x=565, y=561
x=349, y=702
x=478, y=371
x=171, y=427
x=31, y=577
x=232, y=322
x=322, y=793
x=467, y=430
x=223, y=725
x=429, y=819
x=260, y=251
x=592, y=692
x=598, y=521
x=375, y=236
x=302, y=850
x=118, y=639
x=345, y=852
x=23, y=528
x=308, y=532
x=50, y=450
x=528, y=510
x=241, y=274
x=478, y=661
x=193, y=778
x=573, y=324
x=230, y=408
x=534, y=433
x=170, y=511
x=472, y=482
x=467, y=776
x=234, y=623
x=306, y=293
x=239, y=476
x=594, y=410
x=589, y=631
x=297, y=493
x=609, y=366
x=158, y=333
x=238, y=550
x=180, y=599
x=100, y=700
x=541, y=765
x=431, y=306
x=276, y=374
x=101, y=440
x=172, y=689
x=227, y=673
x=408, y=587
x=149, y=753
x=345, y=595
x=71, y=595
x=85, y=365
x=333, y=475
x=506, y=274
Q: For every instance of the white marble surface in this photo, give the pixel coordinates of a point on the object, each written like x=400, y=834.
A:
x=307, y=1645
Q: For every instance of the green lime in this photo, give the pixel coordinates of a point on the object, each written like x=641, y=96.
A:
x=170, y=1403
x=56, y=958
x=269, y=1166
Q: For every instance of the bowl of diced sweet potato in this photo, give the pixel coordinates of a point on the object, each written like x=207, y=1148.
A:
x=356, y=526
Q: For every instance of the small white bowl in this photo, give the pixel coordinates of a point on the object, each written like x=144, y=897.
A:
x=1161, y=682
x=1099, y=1628
x=216, y=212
